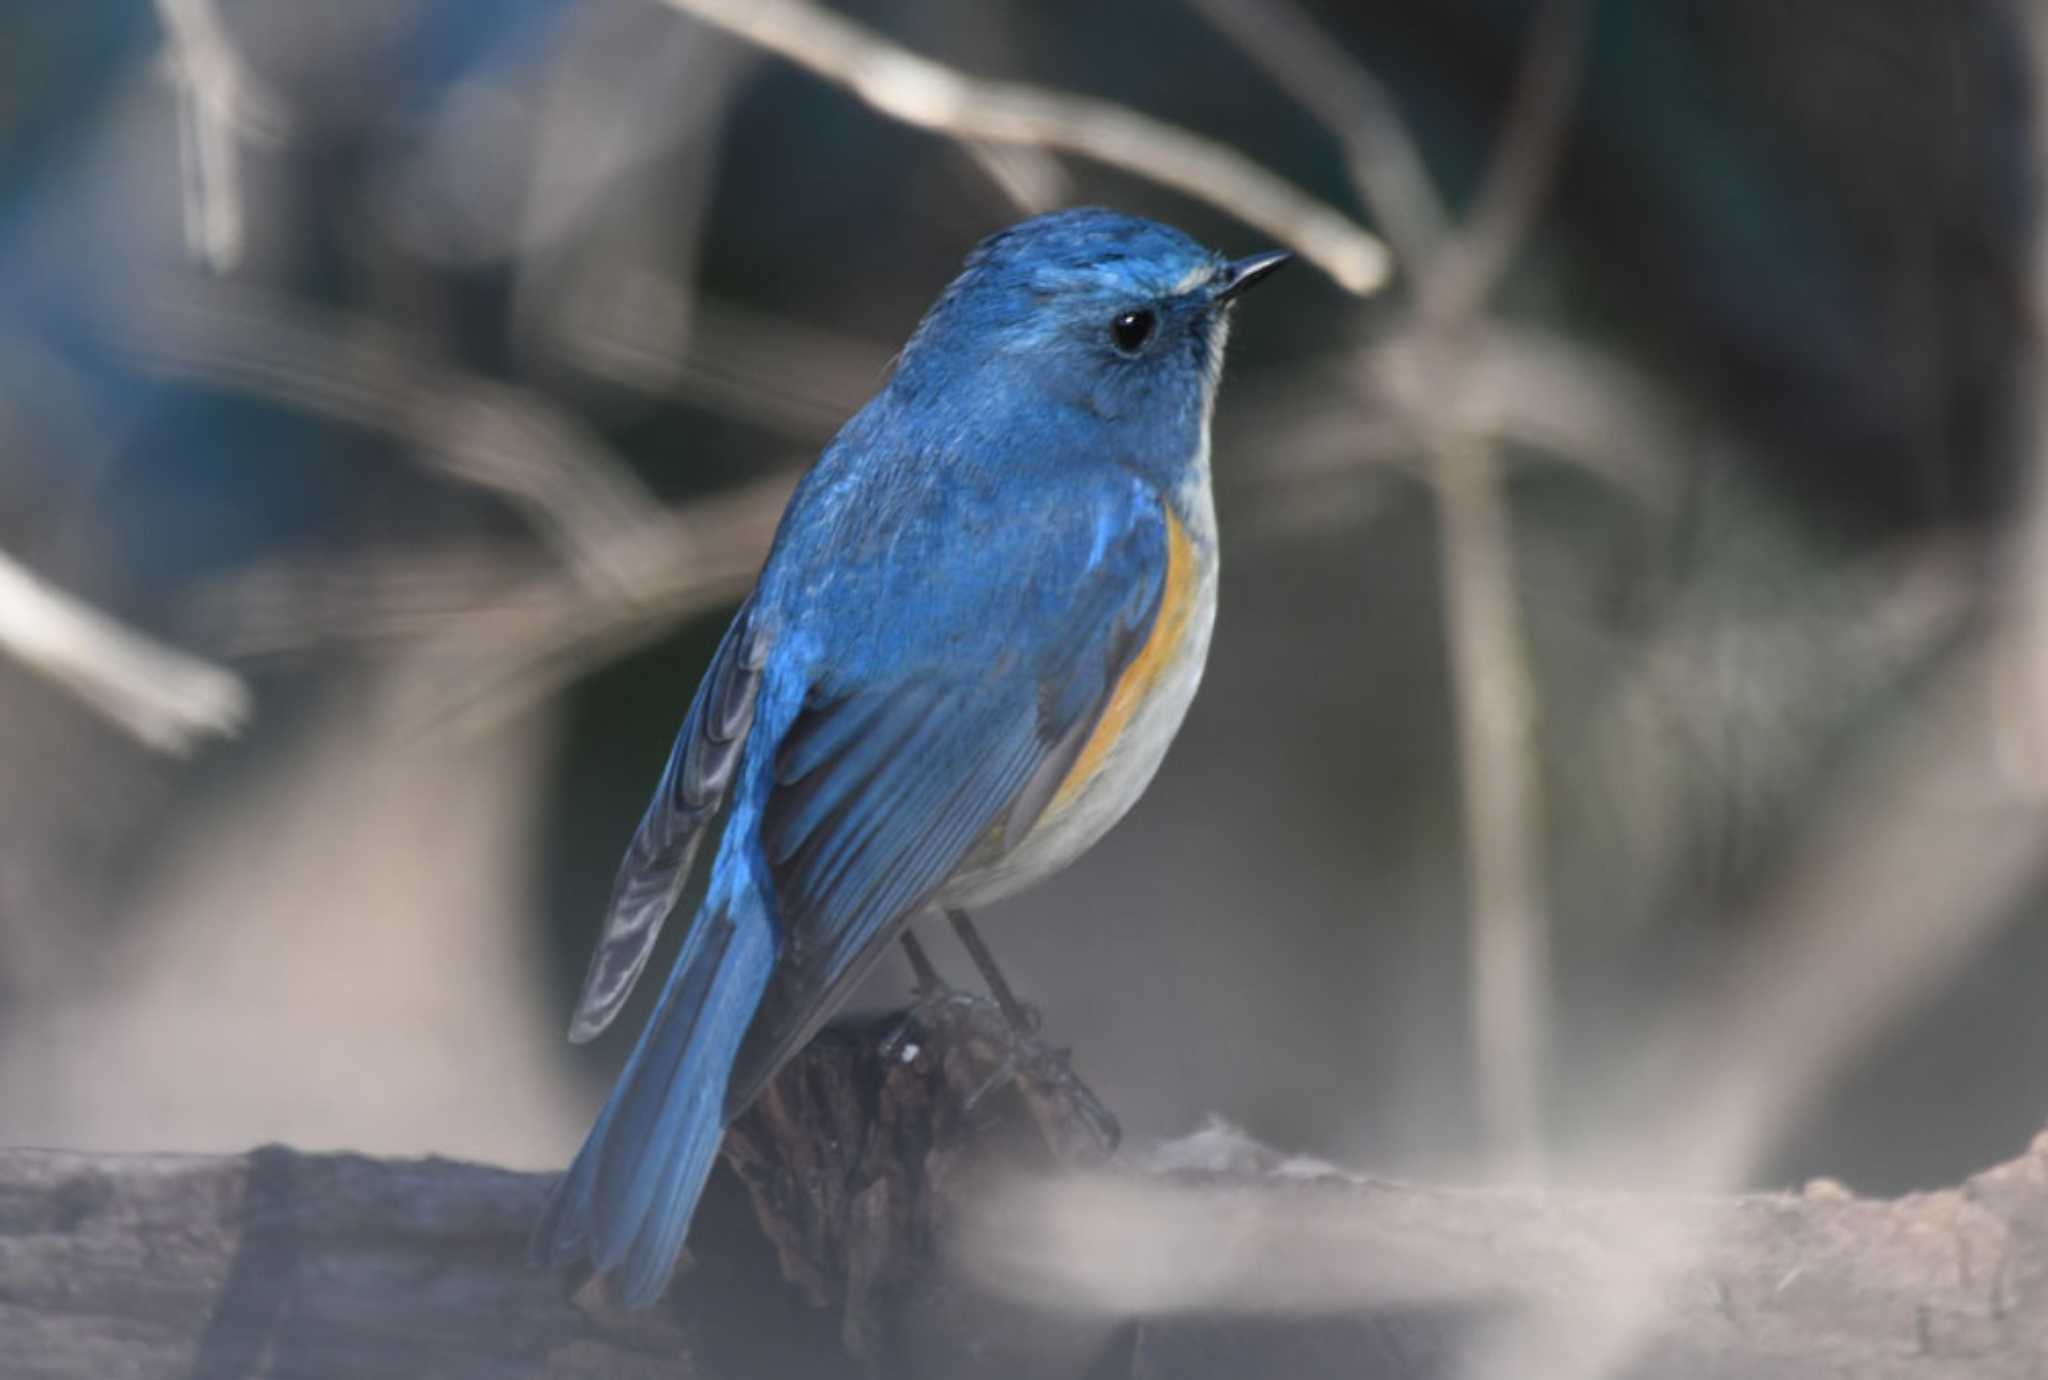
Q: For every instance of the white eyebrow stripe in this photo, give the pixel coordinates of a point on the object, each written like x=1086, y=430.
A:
x=1194, y=278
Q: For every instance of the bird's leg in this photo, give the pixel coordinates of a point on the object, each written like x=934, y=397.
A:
x=1022, y=1018
x=923, y=975
x=1001, y=1023
x=926, y=985
x=1024, y=1049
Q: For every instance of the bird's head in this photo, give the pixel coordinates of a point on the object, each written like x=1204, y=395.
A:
x=1116, y=318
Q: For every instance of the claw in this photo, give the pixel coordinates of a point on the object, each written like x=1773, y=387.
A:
x=1004, y=1022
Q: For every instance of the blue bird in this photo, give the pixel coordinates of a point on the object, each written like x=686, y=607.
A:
x=982, y=620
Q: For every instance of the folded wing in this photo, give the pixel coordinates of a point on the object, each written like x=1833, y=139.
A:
x=881, y=789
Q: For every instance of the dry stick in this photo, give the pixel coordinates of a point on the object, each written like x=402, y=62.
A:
x=1923, y=859
x=164, y=697
x=1499, y=792
x=219, y=103
x=1030, y=178
x=574, y=489
x=2023, y=670
x=1385, y=166
x=1503, y=803
x=1454, y=271
x=1463, y=278
x=1921, y=865
x=930, y=95
x=551, y=630
x=602, y=277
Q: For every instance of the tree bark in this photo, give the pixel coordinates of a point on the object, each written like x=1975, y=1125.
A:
x=824, y=1249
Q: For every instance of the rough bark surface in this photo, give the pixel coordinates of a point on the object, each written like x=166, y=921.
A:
x=818, y=1258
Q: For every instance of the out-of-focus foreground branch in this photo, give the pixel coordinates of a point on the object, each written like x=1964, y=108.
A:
x=280, y=1264
x=163, y=696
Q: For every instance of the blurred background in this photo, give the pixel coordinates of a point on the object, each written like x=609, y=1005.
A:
x=411, y=388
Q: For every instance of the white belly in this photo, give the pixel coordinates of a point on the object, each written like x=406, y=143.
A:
x=1069, y=829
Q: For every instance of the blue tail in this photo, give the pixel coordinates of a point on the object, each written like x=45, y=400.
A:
x=627, y=1200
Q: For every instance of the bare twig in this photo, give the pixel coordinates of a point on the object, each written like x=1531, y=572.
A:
x=1499, y=793
x=1900, y=887
x=503, y=438
x=1309, y=66
x=799, y=380
x=487, y=630
x=1455, y=266
x=930, y=95
x=219, y=103
x=549, y=630
x=605, y=275
x=1031, y=178
x=1497, y=750
x=1463, y=277
x=1496, y=712
x=1454, y=270
x=2022, y=705
x=164, y=697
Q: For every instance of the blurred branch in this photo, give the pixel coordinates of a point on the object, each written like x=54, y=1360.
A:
x=1497, y=751
x=1927, y=855
x=1821, y=1283
x=791, y=377
x=473, y=429
x=1462, y=277
x=1499, y=792
x=1031, y=178
x=486, y=630
x=1453, y=269
x=930, y=95
x=548, y=631
x=1309, y=66
x=2021, y=708
x=280, y=1264
x=219, y=103
x=1455, y=266
x=488, y=643
x=605, y=275
x=165, y=698
x=1549, y=398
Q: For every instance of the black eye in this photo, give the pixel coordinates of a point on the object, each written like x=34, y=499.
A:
x=1131, y=330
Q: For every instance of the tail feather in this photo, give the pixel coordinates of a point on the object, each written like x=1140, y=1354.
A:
x=627, y=1201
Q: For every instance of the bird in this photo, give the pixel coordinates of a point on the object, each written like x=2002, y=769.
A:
x=982, y=619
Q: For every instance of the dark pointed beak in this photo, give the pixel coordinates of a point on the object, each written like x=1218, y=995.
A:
x=1238, y=276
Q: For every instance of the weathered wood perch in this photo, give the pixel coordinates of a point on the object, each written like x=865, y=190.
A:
x=862, y=1165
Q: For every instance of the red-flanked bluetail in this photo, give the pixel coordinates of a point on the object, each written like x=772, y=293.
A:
x=981, y=623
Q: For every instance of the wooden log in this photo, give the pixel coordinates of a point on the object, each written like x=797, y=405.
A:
x=828, y=1248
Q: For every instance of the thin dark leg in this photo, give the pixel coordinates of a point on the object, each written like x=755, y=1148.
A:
x=1050, y=1067
x=922, y=972
x=1014, y=1011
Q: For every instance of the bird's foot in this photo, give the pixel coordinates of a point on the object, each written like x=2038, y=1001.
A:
x=1028, y=1061
x=1015, y=1058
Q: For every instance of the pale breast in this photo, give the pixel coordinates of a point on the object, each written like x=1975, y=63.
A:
x=1144, y=713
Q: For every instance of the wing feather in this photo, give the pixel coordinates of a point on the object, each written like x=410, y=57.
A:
x=657, y=863
x=881, y=791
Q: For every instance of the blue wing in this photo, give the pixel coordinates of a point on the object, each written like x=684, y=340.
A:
x=880, y=789
x=657, y=863
x=894, y=722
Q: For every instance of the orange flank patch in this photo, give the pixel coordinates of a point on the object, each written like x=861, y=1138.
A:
x=1134, y=686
